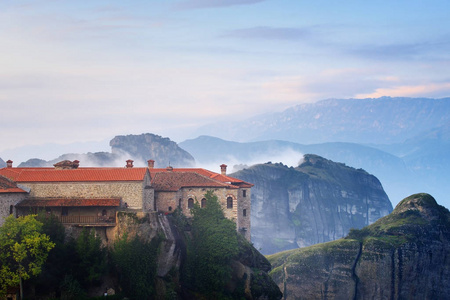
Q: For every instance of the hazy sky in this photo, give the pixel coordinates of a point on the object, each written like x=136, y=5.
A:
x=90, y=70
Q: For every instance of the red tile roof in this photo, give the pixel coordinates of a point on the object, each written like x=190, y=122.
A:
x=50, y=202
x=9, y=186
x=113, y=174
x=173, y=181
x=73, y=175
x=206, y=173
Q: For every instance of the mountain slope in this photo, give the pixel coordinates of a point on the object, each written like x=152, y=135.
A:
x=139, y=148
x=381, y=121
x=401, y=256
x=318, y=201
x=391, y=170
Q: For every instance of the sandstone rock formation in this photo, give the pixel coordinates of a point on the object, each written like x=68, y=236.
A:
x=150, y=146
x=316, y=202
x=139, y=148
x=404, y=255
x=250, y=268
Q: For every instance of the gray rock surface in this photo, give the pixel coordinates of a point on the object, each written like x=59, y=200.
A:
x=316, y=202
x=404, y=255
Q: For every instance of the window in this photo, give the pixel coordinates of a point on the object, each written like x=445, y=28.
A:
x=229, y=202
x=190, y=203
x=179, y=203
x=244, y=212
x=11, y=209
x=65, y=211
x=104, y=212
x=244, y=193
x=170, y=208
x=203, y=202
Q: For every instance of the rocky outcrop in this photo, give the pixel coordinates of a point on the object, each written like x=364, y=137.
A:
x=150, y=146
x=316, y=202
x=250, y=268
x=404, y=255
x=139, y=148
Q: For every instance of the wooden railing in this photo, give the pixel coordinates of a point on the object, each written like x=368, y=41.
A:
x=88, y=220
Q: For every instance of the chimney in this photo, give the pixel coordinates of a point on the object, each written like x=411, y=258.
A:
x=169, y=169
x=223, y=169
x=9, y=163
x=151, y=163
x=129, y=164
x=75, y=164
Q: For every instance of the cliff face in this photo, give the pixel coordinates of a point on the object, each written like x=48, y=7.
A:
x=316, y=202
x=150, y=146
x=404, y=255
x=250, y=268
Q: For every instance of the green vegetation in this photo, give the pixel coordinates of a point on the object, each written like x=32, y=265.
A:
x=23, y=250
x=136, y=263
x=213, y=244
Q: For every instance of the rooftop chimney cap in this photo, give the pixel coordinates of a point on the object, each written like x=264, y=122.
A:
x=9, y=163
x=129, y=163
x=223, y=169
x=151, y=163
x=169, y=168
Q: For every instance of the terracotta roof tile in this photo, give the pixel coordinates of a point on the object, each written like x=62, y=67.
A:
x=51, y=202
x=206, y=173
x=173, y=181
x=74, y=175
x=9, y=186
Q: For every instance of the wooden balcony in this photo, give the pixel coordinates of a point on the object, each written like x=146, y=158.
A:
x=88, y=220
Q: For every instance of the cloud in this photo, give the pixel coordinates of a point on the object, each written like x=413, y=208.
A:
x=424, y=49
x=270, y=33
x=198, y=4
x=421, y=90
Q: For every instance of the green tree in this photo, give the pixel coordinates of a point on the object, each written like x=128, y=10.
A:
x=23, y=250
x=136, y=263
x=214, y=243
x=92, y=258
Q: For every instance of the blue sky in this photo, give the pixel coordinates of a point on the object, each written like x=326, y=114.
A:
x=89, y=70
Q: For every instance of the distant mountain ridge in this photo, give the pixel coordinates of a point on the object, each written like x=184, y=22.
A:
x=396, y=177
x=382, y=120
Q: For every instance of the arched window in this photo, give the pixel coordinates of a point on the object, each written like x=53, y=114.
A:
x=229, y=202
x=11, y=209
x=203, y=202
x=190, y=203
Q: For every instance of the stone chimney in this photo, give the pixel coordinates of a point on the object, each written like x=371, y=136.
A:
x=9, y=163
x=151, y=163
x=223, y=169
x=75, y=164
x=67, y=165
x=129, y=164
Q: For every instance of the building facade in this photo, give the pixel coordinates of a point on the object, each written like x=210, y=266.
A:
x=92, y=196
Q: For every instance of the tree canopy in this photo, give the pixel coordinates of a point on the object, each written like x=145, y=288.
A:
x=214, y=243
x=23, y=250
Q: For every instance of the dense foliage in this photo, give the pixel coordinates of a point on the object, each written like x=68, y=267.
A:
x=23, y=250
x=136, y=263
x=73, y=265
x=214, y=243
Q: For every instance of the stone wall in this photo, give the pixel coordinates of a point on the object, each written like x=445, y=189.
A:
x=7, y=200
x=243, y=212
x=131, y=193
